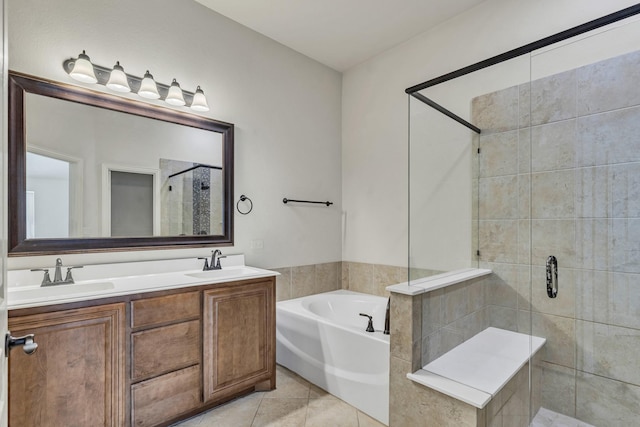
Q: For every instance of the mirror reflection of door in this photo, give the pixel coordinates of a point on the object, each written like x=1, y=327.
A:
x=132, y=198
x=51, y=196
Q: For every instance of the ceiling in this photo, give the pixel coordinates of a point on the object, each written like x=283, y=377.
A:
x=340, y=33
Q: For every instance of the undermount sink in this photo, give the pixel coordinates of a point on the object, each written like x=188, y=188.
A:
x=33, y=292
x=225, y=273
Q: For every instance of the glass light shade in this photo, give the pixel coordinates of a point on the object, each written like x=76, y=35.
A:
x=148, y=88
x=199, y=101
x=174, y=97
x=118, y=79
x=82, y=70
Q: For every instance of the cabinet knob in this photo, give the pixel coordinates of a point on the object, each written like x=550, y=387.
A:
x=29, y=346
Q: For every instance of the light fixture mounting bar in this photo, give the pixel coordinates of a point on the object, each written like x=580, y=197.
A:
x=103, y=73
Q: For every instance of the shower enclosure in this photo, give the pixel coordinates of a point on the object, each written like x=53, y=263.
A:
x=531, y=155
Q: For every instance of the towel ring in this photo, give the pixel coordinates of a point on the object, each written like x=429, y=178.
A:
x=242, y=199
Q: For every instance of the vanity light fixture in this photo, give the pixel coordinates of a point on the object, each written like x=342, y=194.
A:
x=199, y=101
x=148, y=88
x=174, y=97
x=116, y=79
x=82, y=70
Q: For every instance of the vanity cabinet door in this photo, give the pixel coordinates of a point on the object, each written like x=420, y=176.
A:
x=77, y=375
x=239, y=338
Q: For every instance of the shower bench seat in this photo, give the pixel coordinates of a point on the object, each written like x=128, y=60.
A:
x=492, y=365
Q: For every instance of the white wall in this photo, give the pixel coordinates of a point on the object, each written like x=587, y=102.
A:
x=286, y=108
x=374, y=109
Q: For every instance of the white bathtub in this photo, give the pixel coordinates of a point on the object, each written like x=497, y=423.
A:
x=323, y=339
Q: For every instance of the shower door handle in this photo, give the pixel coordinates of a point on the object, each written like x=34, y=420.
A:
x=552, y=277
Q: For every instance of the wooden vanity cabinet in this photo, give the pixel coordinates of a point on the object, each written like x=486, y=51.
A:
x=165, y=357
x=179, y=352
x=239, y=338
x=77, y=375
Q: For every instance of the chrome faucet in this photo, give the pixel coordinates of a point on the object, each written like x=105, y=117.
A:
x=214, y=264
x=57, y=276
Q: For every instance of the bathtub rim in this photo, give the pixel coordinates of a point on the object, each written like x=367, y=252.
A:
x=295, y=306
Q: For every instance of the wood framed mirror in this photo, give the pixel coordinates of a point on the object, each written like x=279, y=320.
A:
x=92, y=172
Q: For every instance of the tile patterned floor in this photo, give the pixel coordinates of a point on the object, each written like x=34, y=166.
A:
x=295, y=403
x=547, y=418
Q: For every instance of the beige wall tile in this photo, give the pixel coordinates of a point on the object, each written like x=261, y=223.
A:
x=559, y=390
x=361, y=277
x=606, y=297
x=385, y=275
x=625, y=190
x=498, y=197
x=283, y=283
x=560, y=335
x=604, y=402
x=416, y=405
x=345, y=274
x=455, y=302
x=553, y=146
x=501, y=285
x=593, y=198
x=432, y=312
x=496, y=111
x=327, y=277
x=405, y=324
x=497, y=154
x=477, y=293
x=553, y=237
x=472, y=324
x=524, y=151
x=553, y=98
x=524, y=104
x=625, y=300
x=524, y=287
x=609, y=84
x=524, y=242
x=503, y=317
x=594, y=295
x=609, y=138
x=498, y=241
x=524, y=196
x=608, y=351
x=552, y=195
x=303, y=281
x=625, y=241
x=593, y=243
x=524, y=322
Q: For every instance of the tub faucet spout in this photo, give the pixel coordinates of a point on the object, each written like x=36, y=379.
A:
x=370, y=325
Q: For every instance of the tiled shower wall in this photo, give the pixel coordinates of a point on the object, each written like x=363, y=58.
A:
x=559, y=174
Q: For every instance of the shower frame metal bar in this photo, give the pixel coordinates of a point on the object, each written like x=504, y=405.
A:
x=194, y=167
x=514, y=53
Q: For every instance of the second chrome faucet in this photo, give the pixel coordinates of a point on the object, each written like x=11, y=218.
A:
x=57, y=276
x=214, y=264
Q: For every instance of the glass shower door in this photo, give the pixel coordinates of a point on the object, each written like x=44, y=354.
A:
x=585, y=211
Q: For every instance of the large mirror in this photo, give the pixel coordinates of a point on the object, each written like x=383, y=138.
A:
x=90, y=171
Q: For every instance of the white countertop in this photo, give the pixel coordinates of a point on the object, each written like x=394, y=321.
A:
x=109, y=280
x=438, y=281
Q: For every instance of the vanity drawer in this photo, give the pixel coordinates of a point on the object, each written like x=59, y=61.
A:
x=167, y=309
x=160, y=350
x=163, y=398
